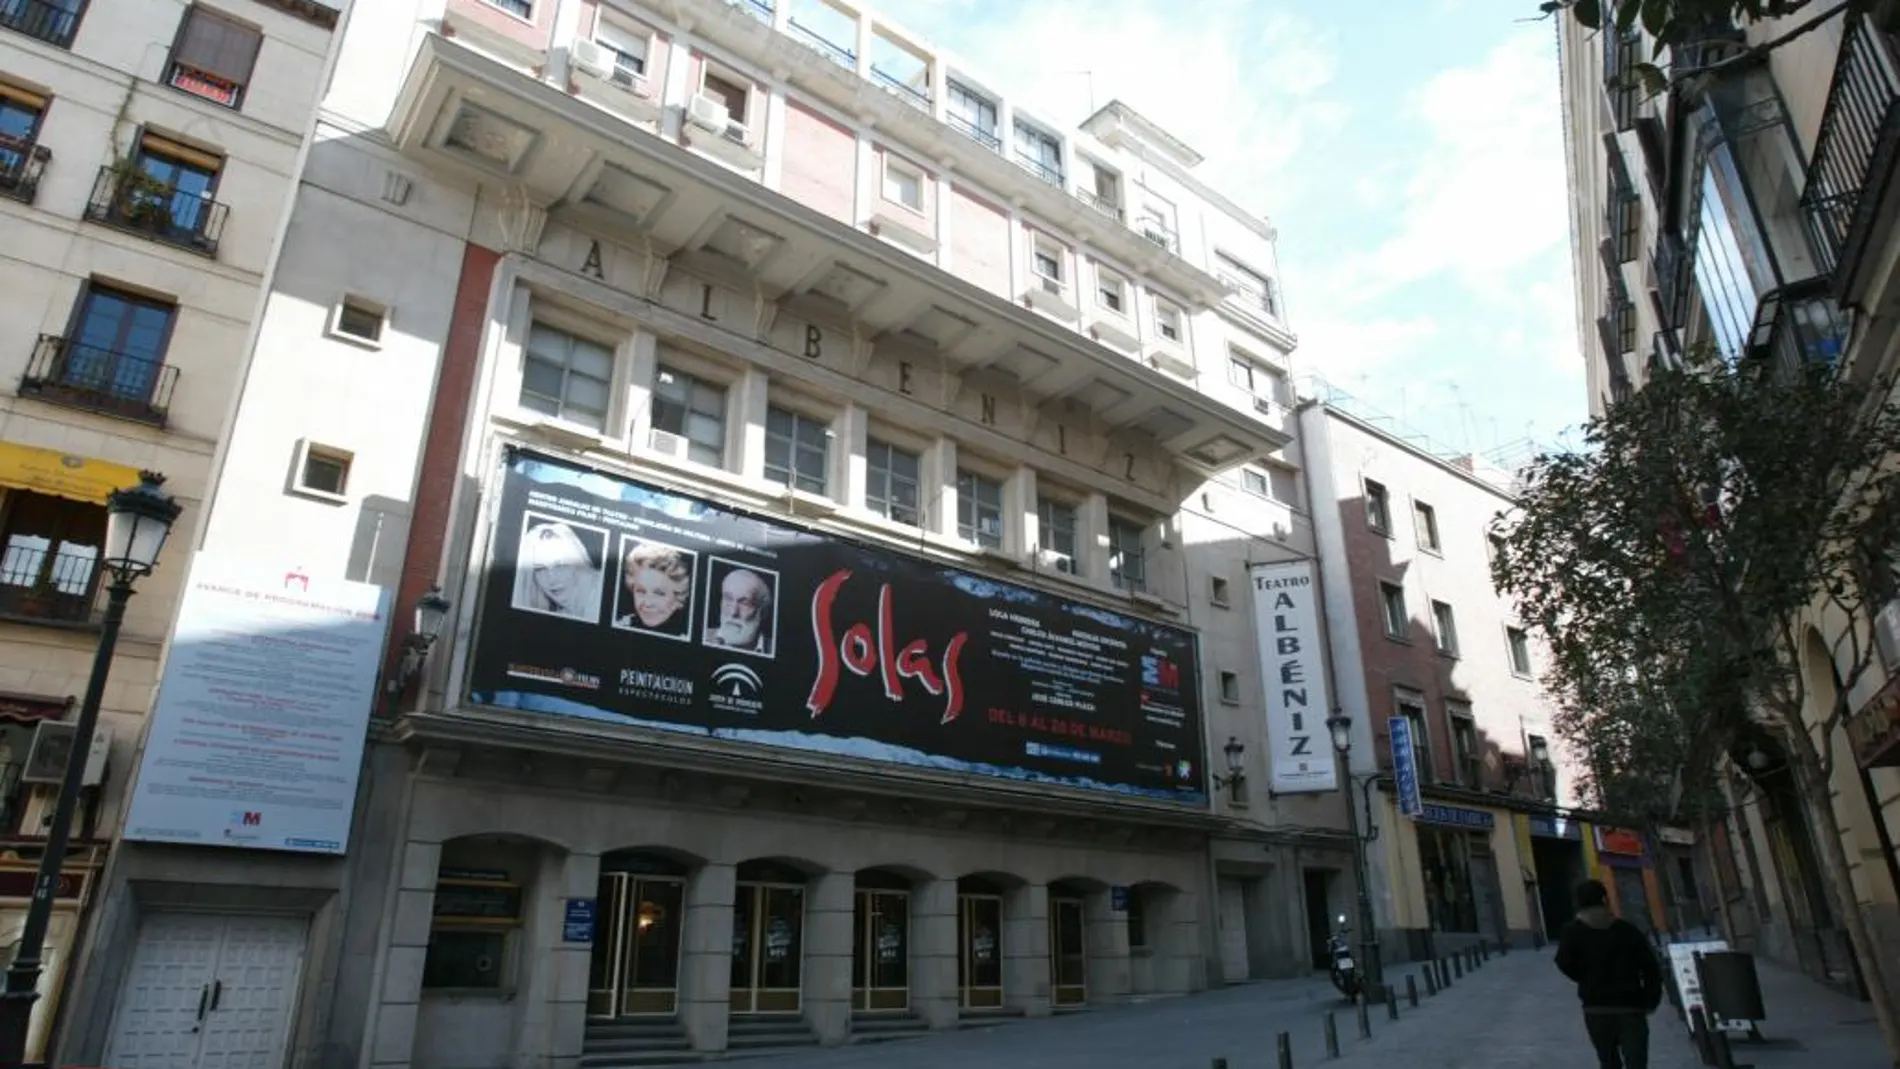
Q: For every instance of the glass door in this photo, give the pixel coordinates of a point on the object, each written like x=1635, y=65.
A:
x=880, y=968
x=767, y=946
x=1068, y=954
x=634, y=970
x=979, y=951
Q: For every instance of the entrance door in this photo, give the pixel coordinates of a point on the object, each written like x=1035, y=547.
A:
x=979, y=951
x=1233, y=930
x=208, y=992
x=1068, y=953
x=1486, y=899
x=768, y=922
x=1632, y=898
x=634, y=970
x=880, y=968
x=1317, y=886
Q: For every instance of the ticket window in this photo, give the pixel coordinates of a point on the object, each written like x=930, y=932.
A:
x=475, y=931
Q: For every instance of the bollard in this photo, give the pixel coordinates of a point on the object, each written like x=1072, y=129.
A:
x=1444, y=975
x=1332, y=1036
x=1391, y=1003
x=1458, y=966
x=1365, y=1017
x=1411, y=989
x=1285, y=1044
x=1486, y=947
x=1431, y=979
x=1219, y=1063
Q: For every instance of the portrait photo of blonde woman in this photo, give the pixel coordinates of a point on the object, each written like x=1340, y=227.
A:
x=558, y=569
x=655, y=594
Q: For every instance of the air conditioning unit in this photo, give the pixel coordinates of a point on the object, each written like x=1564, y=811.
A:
x=736, y=131
x=666, y=443
x=1265, y=406
x=1054, y=561
x=709, y=113
x=1050, y=286
x=593, y=57
x=52, y=748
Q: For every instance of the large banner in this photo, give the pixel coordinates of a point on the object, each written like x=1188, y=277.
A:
x=257, y=736
x=1286, y=617
x=617, y=601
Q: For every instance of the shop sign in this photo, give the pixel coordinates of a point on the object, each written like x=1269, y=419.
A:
x=578, y=925
x=1404, y=765
x=1118, y=899
x=19, y=883
x=1286, y=620
x=614, y=601
x=1619, y=841
x=1457, y=816
x=1547, y=827
x=1676, y=836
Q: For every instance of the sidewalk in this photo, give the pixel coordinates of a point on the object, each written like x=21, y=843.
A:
x=1807, y=1025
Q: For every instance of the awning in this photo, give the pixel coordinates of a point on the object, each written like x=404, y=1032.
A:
x=29, y=708
x=49, y=471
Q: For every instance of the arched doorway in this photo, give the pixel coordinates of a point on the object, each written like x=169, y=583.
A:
x=768, y=937
x=880, y=958
x=1068, y=943
x=979, y=943
x=634, y=970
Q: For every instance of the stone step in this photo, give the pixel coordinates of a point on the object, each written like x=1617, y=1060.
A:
x=990, y=1018
x=883, y=1026
x=647, y=1059
x=596, y=1044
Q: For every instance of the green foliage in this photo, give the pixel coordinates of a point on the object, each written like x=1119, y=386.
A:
x=1671, y=21
x=1671, y=565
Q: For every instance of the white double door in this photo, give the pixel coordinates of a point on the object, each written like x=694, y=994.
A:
x=208, y=992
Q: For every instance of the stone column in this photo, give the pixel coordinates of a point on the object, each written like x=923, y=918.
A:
x=1109, y=972
x=705, y=995
x=393, y=1038
x=826, y=981
x=1177, y=924
x=1026, y=949
x=562, y=993
x=933, y=952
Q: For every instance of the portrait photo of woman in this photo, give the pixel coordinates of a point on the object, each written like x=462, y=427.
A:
x=558, y=569
x=655, y=595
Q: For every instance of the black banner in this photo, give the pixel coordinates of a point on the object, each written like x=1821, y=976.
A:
x=613, y=600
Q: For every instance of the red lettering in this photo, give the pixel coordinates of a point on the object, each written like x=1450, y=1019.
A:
x=887, y=645
x=953, y=676
x=913, y=662
x=861, y=651
x=826, y=684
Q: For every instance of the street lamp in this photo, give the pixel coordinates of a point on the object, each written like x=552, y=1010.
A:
x=1341, y=727
x=138, y=520
x=1236, y=770
x=432, y=611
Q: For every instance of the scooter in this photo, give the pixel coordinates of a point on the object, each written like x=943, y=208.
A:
x=1345, y=973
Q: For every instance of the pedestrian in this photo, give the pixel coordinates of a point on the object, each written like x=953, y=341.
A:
x=1617, y=978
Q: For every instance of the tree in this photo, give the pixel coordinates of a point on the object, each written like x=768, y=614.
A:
x=1675, y=23
x=1676, y=567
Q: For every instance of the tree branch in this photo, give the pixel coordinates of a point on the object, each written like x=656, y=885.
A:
x=1809, y=25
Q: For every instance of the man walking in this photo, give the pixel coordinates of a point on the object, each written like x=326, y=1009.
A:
x=1617, y=979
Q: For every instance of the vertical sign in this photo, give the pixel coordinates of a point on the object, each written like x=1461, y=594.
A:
x=1405, y=766
x=1286, y=611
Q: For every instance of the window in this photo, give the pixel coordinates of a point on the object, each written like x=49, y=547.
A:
x=979, y=509
x=972, y=114
x=322, y=471
x=1217, y=590
x=687, y=409
x=1392, y=603
x=1251, y=287
x=1168, y=320
x=116, y=354
x=1111, y=290
x=359, y=321
x=891, y=477
x=797, y=451
x=52, y=21
x=903, y=184
x=1427, y=517
x=1127, y=567
x=1045, y=258
x=214, y=56
x=49, y=555
x=1057, y=523
x=1444, y=628
x=1039, y=153
x=20, y=115
x=1469, y=761
x=732, y=97
x=477, y=913
x=627, y=47
x=566, y=377
x=1411, y=706
x=1378, y=507
x=1256, y=379
x=1519, y=643
x=1230, y=688
x=1272, y=482
x=1444, y=856
x=519, y=8
x=167, y=191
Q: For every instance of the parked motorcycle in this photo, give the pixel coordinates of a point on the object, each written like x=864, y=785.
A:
x=1345, y=972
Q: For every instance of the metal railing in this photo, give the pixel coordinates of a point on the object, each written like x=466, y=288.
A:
x=987, y=138
x=56, y=587
x=1858, y=129
x=1159, y=234
x=70, y=373
x=758, y=9
x=1672, y=263
x=21, y=164
x=843, y=57
x=1104, y=205
x=906, y=92
x=129, y=199
x=50, y=21
x=1037, y=166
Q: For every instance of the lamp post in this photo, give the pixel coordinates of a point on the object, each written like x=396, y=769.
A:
x=1236, y=768
x=1341, y=727
x=432, y=611
x=138, y=520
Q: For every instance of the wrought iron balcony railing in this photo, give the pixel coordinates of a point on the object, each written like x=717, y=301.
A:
x=987, y=138
x=1035, y=165
x=21, y=164
x=52, y=21
x=129, y=199
x=68, y=372
x=1673, y=278
x=1854, y=152
x=43, y=587
x=905, y=90
x=836, y=53
x=1104, y=205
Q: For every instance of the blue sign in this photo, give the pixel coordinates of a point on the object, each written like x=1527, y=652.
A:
x=1404, y=765
x=1555, y=828
x=1458, y=816
x=1118, y=899
x=579, y=925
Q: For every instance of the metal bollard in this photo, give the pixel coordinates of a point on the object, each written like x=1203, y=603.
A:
x=1285, y=1043
x=1444, y=975
x=1486, y=948
x=1411, y=989
x=1458, y=966
x=1332, y=1036
x=1431, y=979
x=1365, y=1017
x=1219, y=1063
x=1391, y=1003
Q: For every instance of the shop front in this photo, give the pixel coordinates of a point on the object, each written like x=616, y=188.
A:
x=1557, y=866
x=1452, y=862
x=1626, y=871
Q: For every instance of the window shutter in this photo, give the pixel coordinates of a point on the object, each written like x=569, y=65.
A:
x=218, y=45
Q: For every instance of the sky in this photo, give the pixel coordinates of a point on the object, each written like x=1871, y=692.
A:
x=1409, y=152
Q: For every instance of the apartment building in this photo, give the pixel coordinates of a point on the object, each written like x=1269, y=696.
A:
x=1754, y=212
x=147, y=149
x=843, y=481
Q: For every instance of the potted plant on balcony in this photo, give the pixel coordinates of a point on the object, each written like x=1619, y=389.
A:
x=139, y=199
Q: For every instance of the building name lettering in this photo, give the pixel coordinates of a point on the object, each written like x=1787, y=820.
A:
x=1289, y=644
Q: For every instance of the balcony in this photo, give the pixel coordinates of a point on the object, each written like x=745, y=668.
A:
x=1852, y=166
x=21, y=164
x=836, y=53
x=986, y=138
x=1105, y=205
x=69, y=373
x=758, y=9
x=905, y=91
x=1797, y=327
x=52, y=21
x=1158, y=232
x=59, y=590
x=128, y=199
x=1037, y=167
x=1673, y=277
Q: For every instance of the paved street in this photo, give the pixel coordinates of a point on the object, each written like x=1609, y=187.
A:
x=1513, y=1013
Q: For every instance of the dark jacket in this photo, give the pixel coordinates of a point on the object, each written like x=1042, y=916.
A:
x=1611, y=963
